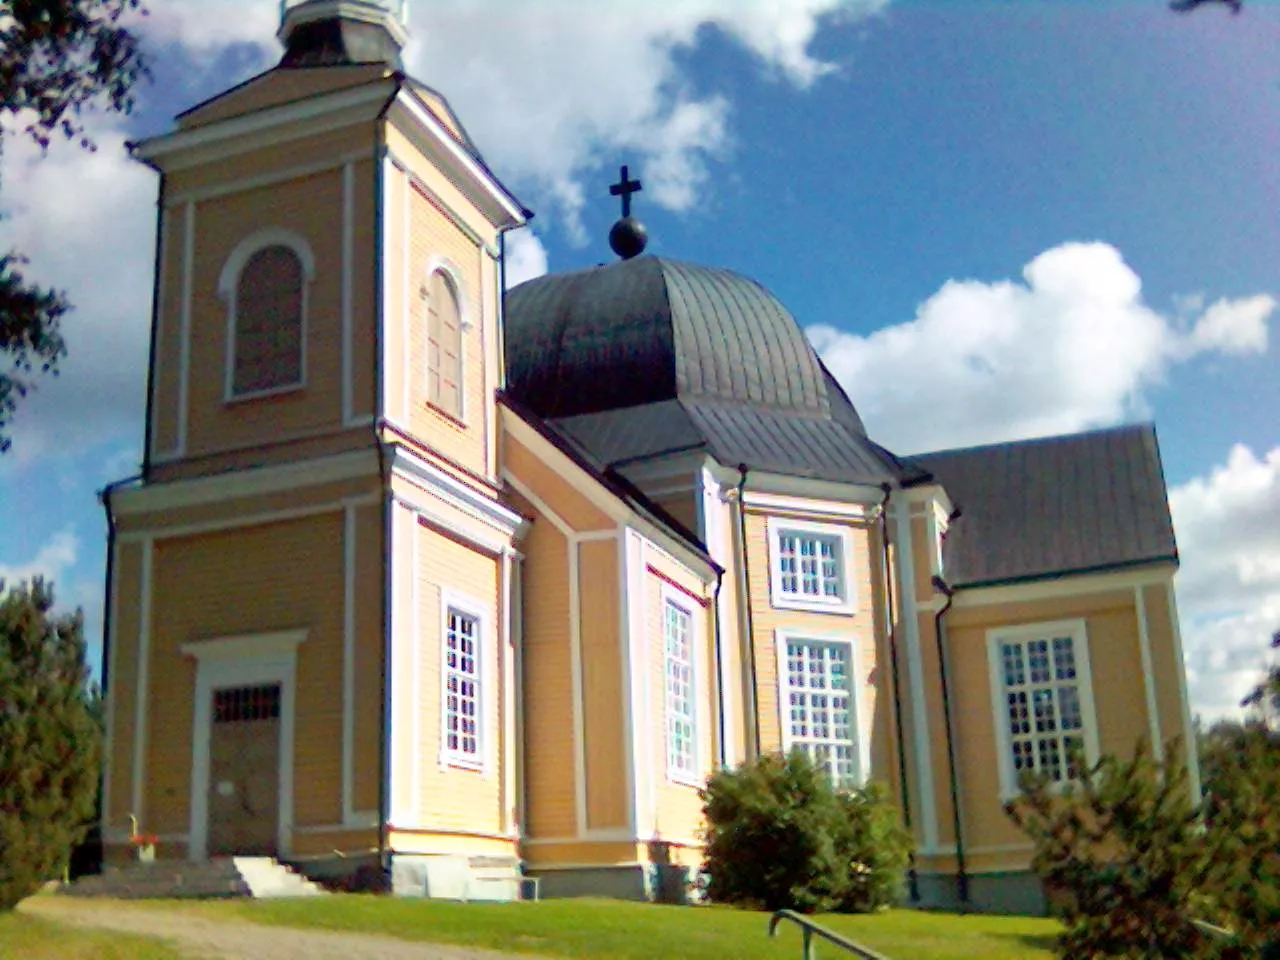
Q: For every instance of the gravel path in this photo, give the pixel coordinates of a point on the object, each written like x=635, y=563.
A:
x=205, y=939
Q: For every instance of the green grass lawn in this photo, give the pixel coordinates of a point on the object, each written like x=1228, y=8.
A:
x=32, y=938
x=633, y=931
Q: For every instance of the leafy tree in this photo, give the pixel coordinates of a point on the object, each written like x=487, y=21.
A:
x=50, y=740
x=1122, y=856
x=1266, y=695
x=58, y=59
x=780, y=836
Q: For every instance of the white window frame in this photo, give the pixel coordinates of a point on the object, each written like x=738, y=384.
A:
x=450, y=601
x=1022, y=633
x=846, y=602
x=689, y=606
x=228, y=289
x=861, y=733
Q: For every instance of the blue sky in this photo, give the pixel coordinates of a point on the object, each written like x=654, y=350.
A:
x=997, y=219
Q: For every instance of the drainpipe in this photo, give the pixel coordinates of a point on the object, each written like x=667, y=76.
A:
x=962, y=875
x=748, y=621
x=912, y=877
x=384, y=490
x=715, y=613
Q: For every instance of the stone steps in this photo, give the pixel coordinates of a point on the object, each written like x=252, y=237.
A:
x=223, y=877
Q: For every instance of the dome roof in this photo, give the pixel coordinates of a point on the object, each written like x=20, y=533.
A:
x=646, y=330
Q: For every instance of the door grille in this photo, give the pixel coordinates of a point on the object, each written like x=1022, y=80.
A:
x=240, y=704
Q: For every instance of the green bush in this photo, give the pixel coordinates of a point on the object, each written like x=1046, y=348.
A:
x=50, y=741
x=780, y=836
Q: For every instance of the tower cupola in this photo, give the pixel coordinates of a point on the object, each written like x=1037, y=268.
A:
x=321, y=33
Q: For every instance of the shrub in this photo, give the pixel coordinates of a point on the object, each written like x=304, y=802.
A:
x=50, y=741
x=780, y=836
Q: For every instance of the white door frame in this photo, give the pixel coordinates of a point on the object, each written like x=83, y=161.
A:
x=232, y=662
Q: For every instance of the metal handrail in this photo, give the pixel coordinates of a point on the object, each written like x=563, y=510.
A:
x=809, y=930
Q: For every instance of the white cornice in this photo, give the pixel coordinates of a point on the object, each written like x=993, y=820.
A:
x=1067, y=586
x=258, y=481
x=419, y=471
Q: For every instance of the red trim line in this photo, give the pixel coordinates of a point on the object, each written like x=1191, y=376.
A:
x=701, y=601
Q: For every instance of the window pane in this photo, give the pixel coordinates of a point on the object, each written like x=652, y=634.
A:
x=268, y=322
x=809, y=565
x=680, y=702
x=1043, y=707
x=462, y=685
x=820, y=709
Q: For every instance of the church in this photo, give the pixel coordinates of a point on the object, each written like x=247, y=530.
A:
x=474, y=586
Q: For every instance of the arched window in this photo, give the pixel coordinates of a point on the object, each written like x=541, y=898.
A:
x=444, y=345
x=265, y=285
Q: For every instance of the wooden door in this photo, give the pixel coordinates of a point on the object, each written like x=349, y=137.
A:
x=244, y=771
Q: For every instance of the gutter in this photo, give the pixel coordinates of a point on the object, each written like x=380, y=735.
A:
x=912, y=877
x=962, y=875
x=748, y=620
x=151, y=350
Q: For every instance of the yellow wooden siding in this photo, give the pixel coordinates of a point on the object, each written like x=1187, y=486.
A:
x=585, y=853
x=168, y=331
x=677, y=807
x=364, y=291
x=266, y=453
x=1164, y=662
x=1116, y=671
x=322, y=844
x=244, y=582
x=604, y=699
x=922, y=554
x=433, y=239
x=732, y=651
x=356, y=141
x=123, y=680
x=549, y=769
x=308, y=206
x=767, y=620
x=425, y=170
x=278, y=87
x=452, y=798
x=559, y=496
x=369, y=652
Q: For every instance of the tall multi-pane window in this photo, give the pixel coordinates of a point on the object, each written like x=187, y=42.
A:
x=1043, y=701
x=809, y=567
x=267, y=328
x=462, y=690
x=681, y=705
x=820, y=710
x=444, y=345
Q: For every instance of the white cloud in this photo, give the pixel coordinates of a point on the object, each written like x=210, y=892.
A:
x=1073, y=345
x=87, y=222
x=526, y=257
x=52, y=559
x=1228, y=526
x=551, y=90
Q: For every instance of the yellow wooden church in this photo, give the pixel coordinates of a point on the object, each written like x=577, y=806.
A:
x=469, y=587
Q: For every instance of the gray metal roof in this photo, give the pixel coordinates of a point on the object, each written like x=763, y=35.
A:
x=1043, y=508
x=649, y=356
x=646, y=330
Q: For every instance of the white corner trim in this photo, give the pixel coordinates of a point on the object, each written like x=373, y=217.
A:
x=1188, y=735
x=847, y=603
x=399, y=747
x=486, y=679
x=506, y=645
x=909, y=608
x=259, y=481
x=141, y=691
x=1148, y=673
x=349, y=532
x=348, y=294
x=639, y=746
x=386, y=178
x=406, y=312
x=1077, y=629
x=113, y=679
x=184, y=342
x=231, y=661
x=826, y=508
x=858, y=701
x=711, y=526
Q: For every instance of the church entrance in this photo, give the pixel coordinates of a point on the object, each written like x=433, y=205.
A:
x=244, y=771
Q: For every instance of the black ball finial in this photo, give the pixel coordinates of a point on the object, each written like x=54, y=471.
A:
x=628, y=238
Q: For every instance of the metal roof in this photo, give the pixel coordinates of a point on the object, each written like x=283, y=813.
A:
x=1042, y=508
x=648, y=329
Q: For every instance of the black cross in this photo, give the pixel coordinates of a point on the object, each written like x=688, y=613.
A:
x=625, y=188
